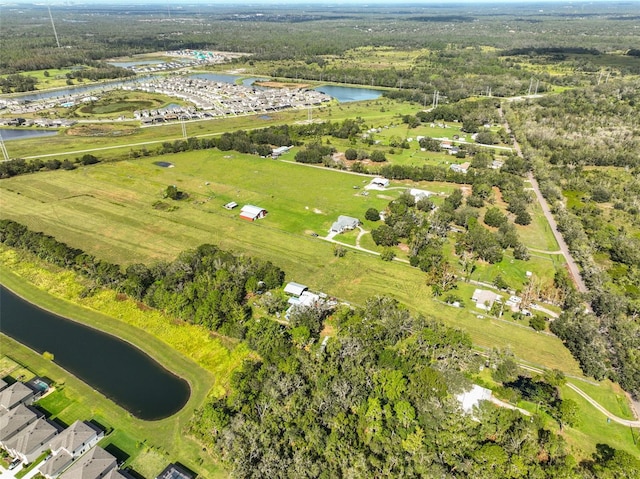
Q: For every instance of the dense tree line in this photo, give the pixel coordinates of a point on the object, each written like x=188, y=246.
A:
x=601, y=121
x=206, y=286
x=376, y=400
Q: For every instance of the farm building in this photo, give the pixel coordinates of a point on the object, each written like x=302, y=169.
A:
x=279, y=151
x=484, y=298
x=381, y=182
x=252, y=213
x=344, y=223
x=231, y=205
x=295, y=289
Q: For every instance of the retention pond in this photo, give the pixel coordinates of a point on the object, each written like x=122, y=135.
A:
x=114, y=367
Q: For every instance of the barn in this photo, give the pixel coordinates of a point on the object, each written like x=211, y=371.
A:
x=252, y=213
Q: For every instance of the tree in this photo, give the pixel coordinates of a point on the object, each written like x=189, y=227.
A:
x=377, y=156
x=523, y=218
x=537, y=322
x=388, y=254
x=372, y=214
x=384, y=235
x=565, y=411
x=351, y=154
x=494, y=217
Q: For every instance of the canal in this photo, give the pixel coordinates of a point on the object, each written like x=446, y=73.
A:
x=114, y=367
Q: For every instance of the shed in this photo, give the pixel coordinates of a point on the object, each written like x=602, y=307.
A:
x=231, y=205
x=344, y=223
x=295, y=289
x=252, y=213
x=381, y=182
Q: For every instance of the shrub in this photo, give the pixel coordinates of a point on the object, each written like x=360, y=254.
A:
x=372, y=214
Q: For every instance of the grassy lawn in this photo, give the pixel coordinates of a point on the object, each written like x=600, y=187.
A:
x=592, y=428
x=107, y=210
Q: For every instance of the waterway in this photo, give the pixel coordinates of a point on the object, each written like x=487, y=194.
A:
x=346, y=94
x=14, y=134
x=114, y=367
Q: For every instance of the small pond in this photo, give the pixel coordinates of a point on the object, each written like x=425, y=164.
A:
x=345, y=94
x=23, y=134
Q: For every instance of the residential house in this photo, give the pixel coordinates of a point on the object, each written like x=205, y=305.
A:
x=470, y=399
x=76, y=439
x=461, y=168
x=344, y=223
x=16, y=420
x=32, y=441
x=484, y=298
x=3, y=384
x=95, y=464
x=420, y=194
x=17, y=393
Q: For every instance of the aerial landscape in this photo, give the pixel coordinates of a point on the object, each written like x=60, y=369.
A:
x=315, y=240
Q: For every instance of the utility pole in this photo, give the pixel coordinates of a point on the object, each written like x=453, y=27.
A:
x=5, y=154
x=54, y=27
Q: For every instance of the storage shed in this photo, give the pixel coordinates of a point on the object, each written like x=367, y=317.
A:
x=252, y=213
x=295, y=289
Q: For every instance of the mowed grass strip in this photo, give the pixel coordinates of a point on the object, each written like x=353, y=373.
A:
x=107, y=210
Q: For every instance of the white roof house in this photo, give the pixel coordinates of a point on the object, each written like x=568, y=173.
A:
x=468, y=400
x=252, y=213
x=484, y=298
x=461, y=168
x=344, y=223
x=295, y=289
x=419, y=194
x=381, y=182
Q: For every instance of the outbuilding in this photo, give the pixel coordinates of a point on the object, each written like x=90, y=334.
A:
x=252, y=213
x=295, y=289
x=381, y=182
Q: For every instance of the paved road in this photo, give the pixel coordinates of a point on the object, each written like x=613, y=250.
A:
x=571, y=264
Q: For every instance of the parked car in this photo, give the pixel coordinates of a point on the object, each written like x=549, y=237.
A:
x=15, y=463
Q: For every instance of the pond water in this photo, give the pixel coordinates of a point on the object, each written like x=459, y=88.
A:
x=217, y=77
x=345, y=94
x=14, y=134
x=114, y=367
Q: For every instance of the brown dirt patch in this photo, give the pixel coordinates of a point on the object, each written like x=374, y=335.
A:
x=101, y=130
x=403, y=247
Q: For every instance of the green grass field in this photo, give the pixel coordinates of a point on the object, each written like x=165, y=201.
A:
x=107, y=210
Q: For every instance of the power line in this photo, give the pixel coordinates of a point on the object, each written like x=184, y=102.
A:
x=54, y=26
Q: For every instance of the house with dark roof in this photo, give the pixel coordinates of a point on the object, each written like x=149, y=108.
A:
x=17, y=393
x=95, y=464
x=175, y=471
x=16, y=420
x=32, y=441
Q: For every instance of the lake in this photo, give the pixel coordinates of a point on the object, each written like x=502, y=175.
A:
x=114, y=367
x=345, y=94
x=15, y=134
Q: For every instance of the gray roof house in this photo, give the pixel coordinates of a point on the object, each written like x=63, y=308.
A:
x=95, y=464
x=3, y=384
x=115, y=474
x=32, y=441
x=76, y=439
x=15, y=394
x=57, y=463
x=344, y=223
x=14, y=421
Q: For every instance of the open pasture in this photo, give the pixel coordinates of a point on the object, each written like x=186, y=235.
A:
x=108, y=210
